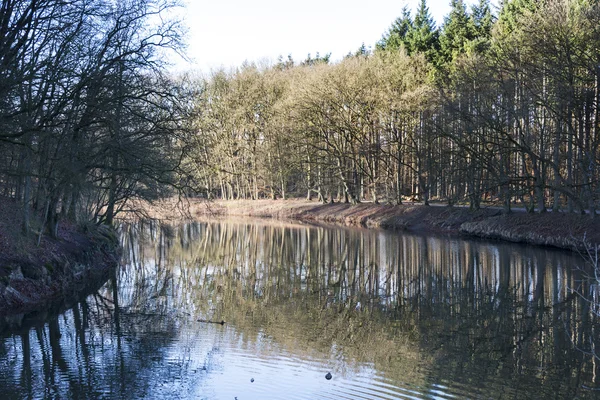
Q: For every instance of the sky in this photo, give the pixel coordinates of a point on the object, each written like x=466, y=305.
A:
x=226, y=33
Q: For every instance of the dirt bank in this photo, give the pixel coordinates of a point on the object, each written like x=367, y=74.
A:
x=33, y=277
x=562, y=230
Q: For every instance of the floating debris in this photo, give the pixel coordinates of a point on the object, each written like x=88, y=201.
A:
x=206, y=321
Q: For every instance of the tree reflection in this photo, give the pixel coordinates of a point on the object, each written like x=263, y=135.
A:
x=423, y=311
x=468, y=308
x=95, y=350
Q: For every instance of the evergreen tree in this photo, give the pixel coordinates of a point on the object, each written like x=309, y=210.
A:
x=284, y=65
x=318, y=59
x=511, y=11
x=362, y=51
x=396, y=36
x=483, y=21
x=424, y=36
x=458, y=30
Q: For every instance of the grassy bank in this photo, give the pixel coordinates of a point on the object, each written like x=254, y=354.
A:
x=562, y=230
x=35, y=275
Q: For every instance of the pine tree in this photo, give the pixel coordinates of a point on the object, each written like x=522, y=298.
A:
x=457, y=32
x=396, y=36
x=318, y=59
x=511, y=11
x=483, y=21
x=363, y=51
x=424, y=36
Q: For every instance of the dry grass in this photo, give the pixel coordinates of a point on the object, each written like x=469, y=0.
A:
x=411, y=217
x=561, y=230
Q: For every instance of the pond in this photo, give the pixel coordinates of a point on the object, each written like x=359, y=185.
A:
x=253, y=309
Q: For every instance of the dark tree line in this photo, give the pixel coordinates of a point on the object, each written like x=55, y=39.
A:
x=485, y=108
x=88, y=118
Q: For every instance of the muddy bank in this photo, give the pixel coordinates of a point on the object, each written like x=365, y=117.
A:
x=53, y=299
x=75, y=267
x=35, y=277
x=562, y=230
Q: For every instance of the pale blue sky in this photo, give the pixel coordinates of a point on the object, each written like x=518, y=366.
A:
x=228, y=32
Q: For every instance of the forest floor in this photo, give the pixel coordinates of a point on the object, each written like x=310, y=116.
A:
x=557, y=229
x=33, y=276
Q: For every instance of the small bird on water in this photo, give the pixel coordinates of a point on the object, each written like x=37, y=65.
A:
x=328, y=376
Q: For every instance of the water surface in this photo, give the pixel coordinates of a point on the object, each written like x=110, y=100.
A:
x=390, y=316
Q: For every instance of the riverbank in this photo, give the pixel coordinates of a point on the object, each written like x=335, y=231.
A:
x=34, y=277
x=561, y=230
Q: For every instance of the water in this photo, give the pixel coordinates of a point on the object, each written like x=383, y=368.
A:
x=390, y=316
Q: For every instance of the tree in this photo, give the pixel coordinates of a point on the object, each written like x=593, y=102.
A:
x=483, y=22
x=397, y=36
x=424, y=36
x=509, y=116
x=82, y=89
x=457, y=32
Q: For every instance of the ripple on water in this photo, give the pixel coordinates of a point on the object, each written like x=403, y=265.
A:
x=275, y=372
x=284, y=335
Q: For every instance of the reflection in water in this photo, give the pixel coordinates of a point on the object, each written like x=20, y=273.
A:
x=391, y=316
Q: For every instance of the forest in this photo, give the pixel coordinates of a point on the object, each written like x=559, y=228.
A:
x=487, y=108
x=494, y=106
x=89, y=115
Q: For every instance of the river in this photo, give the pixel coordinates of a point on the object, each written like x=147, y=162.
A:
x=255, y=309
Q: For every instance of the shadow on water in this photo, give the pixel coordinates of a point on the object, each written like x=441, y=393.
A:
x=390, y=316
x=93, y=350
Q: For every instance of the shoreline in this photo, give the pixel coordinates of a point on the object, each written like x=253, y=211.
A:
x=41, y=279
x=560, y=230
x=37, y=278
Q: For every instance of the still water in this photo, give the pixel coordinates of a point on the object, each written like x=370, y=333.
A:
x=389, y=316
